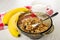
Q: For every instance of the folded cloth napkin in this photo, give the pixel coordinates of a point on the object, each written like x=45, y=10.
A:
x=1, y=23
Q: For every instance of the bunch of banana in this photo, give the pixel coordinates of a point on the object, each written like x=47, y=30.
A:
x=11, y=18
x=10, y=13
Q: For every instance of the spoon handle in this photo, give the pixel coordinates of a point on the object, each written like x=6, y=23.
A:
x=54, y=14
x=51, y=16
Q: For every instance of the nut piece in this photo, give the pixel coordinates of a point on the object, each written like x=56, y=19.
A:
x=29, y=27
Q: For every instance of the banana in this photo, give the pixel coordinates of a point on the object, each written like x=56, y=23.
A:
x=12, y=25
x=10, y=13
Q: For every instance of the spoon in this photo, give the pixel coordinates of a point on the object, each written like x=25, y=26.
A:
x=35, y=25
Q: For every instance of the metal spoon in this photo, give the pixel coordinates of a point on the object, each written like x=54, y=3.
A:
x=35, y=25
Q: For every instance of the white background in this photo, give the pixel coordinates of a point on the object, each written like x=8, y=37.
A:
x=6, y=5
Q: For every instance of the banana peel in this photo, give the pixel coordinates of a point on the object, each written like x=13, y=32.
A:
x=12, y=25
